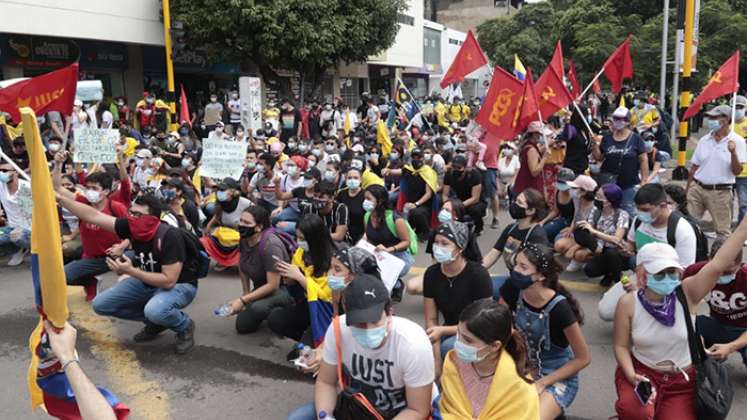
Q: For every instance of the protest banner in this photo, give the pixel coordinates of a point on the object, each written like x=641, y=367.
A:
x=222, y=158
x=25, y=204
x=389, y=265
x=95, y=145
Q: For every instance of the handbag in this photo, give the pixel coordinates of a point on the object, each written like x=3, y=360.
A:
x=609, y=177
x=713, y=391
x=350, y=405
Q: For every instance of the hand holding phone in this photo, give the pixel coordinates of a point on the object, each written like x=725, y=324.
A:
x=644, y=390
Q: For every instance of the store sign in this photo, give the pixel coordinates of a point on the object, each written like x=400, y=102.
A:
x=102, y=54
x=26, y=50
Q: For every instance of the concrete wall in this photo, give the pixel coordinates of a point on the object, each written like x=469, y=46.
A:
x=467, y=14
x=407, y=50
x=131, y=21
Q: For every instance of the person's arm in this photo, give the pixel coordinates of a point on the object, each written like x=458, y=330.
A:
x=424, y=199
x=445, y=192
x=735, y=165
x=643, y=162
x=535, y=161
x=166, y=279
x=87, y=213
x=213, y=221
x=325, y=390
x=722, y=351
x=698, y=286
x=490, y=258
x=59, y=159
x=273, y=284
x=551, y=215
x=654, y=171
x=623, y=340
x=91, y=403
x=691, y=176
x=475, y=197
x=596, y=149
x=339, y=234
x=581, y=357
x=418, y=403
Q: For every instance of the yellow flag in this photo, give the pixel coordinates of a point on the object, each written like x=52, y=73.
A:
x=622, y=101
x=347, y=125
x=382, y=137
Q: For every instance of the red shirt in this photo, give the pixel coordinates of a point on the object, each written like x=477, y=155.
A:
x=524, y=178
x=727, y=302
x=123, y=194
x=95, y=240
x=491, y=153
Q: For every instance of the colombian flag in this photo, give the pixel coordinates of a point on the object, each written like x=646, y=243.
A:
x=318, y=297
x=48, y=385
x=519, y=71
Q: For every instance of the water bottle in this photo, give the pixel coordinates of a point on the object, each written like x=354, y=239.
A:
x=223, y=310
x=305, y=353
x=324, y=416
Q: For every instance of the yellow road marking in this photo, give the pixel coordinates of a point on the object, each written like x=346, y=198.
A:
x=145, y=398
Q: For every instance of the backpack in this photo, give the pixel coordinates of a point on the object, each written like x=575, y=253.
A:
x=288, y=242
x=701, y=245
x=197, y=259
x=413, y=248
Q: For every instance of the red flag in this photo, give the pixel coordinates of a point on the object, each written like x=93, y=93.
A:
x=469, y=58
x=499, y=108
x=528, y=111
x=596, y=87
x=619, y=66
x=556, y=63
x=573, y=77
x=184, y=108
x=724, y=81
x=53, y=91
x=552, y=93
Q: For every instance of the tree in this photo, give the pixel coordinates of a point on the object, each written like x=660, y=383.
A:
x=305, y=36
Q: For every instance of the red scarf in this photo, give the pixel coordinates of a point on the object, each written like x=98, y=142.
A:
x=143, y=228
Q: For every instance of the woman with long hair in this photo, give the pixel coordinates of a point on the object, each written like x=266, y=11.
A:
x=221, y=236
x=550, y=319
x=306, y=279
x=486, y=375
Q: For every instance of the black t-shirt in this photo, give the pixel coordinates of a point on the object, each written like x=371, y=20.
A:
x=452, y=295
x=172, y=250
x=382, y=235
x=566, y=210
x=336, y=217
x=463, y=187
x=192, y=214
x=621, y=158
x=289, y=121
x=514, y=233
x=577, y=153
x=355, y=214
x=415, y=187
x=561, y=316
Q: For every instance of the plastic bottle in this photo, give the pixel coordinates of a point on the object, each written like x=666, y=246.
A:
x=223, y=310
x=305, y=353
x=624, y=280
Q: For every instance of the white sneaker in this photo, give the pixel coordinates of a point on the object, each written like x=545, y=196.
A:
x=17, y=258
x=574, y=266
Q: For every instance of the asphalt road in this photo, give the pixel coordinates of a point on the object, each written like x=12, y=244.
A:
x=232, y=376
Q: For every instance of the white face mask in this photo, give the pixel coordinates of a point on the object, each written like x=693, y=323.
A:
x=54, y=147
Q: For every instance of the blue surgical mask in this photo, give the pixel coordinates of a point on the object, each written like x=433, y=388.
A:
x=186, y=163
x=444, y=216
x=725, y=279
x=353, y=184
x=713, y=124
x=4, y=177
x=442, y=255
x=329, y=176
x=222, y=196
x=368, y=205
x=520, y=281
x=467, y=353
x=370, y=338
x=393, y=156
x=645, y=217
x=562, y=186
x=665, y=286
x=739, y=114
x=649, y=145
x=335, y=283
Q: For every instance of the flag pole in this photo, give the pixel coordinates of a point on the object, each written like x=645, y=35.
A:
x=583, y=118
x=590, y=84
x=733, y=107
x=412, y=98
x=13, y=164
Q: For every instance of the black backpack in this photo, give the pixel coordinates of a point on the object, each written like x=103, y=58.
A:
x=197, y=259
x=701, y=246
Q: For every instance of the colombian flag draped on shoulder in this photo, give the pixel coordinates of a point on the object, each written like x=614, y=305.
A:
x=723, y=82
x=53, y=91
x=48, y=385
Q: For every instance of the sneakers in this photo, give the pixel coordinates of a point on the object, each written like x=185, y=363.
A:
x=494, y=224
x=397, y=291
x=574, y=266
x=185, y=340
x=18, y=257
x=149, y=333
x=92, y=289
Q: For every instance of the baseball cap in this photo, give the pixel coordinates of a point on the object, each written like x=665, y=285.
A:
x=741, y=100
x=584, y=182
x=174, y=182
x=534, y=127
x=229, y=183
x=657, y=256
x=144, y=153
x=566, y=175
x=621, y=112
x=219, y=124
x=365, y=299
x=719, y=111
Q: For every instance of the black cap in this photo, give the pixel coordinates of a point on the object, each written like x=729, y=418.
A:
x=365, y=298
x=229, y=183
x=313, y=173
x=459, y=160
x=173, y=182
x=416, y=153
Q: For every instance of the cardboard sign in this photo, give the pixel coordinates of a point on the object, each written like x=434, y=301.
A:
x=389, y=265
x=222, y=158
x=25, y=203
x=95, y=145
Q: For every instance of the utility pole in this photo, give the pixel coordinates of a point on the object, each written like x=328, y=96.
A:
x=171, y=93
x=664, y=45
x=680, y=173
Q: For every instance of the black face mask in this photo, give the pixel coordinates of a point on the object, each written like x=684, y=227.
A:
x=246, y=231
x=417, y=164
x=516, y=211
x=589, y=196
x=598, y=203
x=458, y=173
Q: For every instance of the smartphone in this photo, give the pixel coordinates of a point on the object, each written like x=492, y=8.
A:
x=643, y=390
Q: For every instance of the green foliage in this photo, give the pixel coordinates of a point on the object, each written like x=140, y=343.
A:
x=308, y=36
x=591, y=29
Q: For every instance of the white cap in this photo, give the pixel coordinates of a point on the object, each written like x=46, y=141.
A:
x=621, y=112
x=77, y=102
x=657, y=256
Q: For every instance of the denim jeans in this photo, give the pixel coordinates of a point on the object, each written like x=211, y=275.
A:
x=134, y=300
x=23, y=242
x=714, y=332
x=286, y=220
x=741, y=186
x=627, y=203
x=554, y=226
x=407, y=258
x=447, y=343
x=498, y=282
x=81, y=272
x=305, y=412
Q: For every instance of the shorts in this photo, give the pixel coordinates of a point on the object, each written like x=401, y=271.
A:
x=489, y=184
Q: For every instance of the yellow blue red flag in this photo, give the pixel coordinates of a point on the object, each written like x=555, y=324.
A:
x=519, y=71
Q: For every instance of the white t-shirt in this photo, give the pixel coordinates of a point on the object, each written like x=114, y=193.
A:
x=405, y=360
x=685, y=241
x=265, y=187
x=234, y=106
x=714, y=159
x=107, y=119
x=13, y=213
x=288, y=184
x=507, y=170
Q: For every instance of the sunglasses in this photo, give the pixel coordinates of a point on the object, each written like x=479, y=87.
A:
x=664, y=273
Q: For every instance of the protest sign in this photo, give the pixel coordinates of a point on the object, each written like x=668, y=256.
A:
x=95, y=145
x=89, y=91
x=222, y=158
x=389, y=265
x=250, y=89
x=25, y=203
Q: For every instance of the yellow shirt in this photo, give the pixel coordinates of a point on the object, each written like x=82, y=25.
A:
x=557, y=155
x=741, y=129
x=131, y=145
x=646, y=116
x=457, y=112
